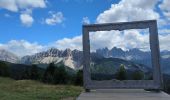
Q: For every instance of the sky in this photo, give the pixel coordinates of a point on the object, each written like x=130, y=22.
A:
x=31, y=26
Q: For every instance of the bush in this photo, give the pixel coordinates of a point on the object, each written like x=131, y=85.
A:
x=138, y=75
x=79, y=78
x=121, y=73
x=60, y=75
x=26, y=74
x=4, y=69
x=34, y=72
x=56, y=74
x=31, y=73
x=49, y=74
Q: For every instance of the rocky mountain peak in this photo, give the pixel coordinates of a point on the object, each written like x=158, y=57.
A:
x=104, y=52
x=134, y=50
x=53, y=52
x=67, y=53
x=115, y=49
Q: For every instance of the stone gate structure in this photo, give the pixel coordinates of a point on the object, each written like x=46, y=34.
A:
x=156, y=83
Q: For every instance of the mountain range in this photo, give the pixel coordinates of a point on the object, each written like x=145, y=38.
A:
x=70, y=58
x=137, y=56
x=74, y=58
x=8, y=56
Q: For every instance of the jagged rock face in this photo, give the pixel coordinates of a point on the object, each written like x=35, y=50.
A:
x=67, y=53
x=104, y=52
x=119, y=53
x=73, y=59
x=54, y=52
x=39, y=56
x=78, y=58
x=8, y=56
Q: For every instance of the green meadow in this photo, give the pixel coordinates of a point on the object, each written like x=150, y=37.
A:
x=11, y=89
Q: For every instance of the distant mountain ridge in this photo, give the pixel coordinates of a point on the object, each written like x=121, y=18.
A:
x=106, y=68
x=74, y=58
x=119, y=53
x=8, y=56
x=138, y=56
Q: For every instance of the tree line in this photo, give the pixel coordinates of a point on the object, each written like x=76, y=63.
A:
x=53, y=74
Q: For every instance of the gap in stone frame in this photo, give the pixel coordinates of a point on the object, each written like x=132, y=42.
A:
x=120, y=55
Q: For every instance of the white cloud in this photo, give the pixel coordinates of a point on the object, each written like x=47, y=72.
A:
x=85, y=20
x=165, y=7
x=162, y=22
x=55, y=18
x=22, y=47
x=127, y=39
x=9, y=5
x=129, y=10
x=16, y=5
x=164, y=31
x=125, y=10
x=25, y=7
x=31, y=3
x=26, y=19
x=144, y=4
x=72, y=43
x=164, y=42
x=130, y=39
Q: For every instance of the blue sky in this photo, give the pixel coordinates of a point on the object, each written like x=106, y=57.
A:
x=30, y=26
x=73, y=12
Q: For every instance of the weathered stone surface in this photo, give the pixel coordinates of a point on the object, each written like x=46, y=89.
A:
x=156, y=83
x=123, y=94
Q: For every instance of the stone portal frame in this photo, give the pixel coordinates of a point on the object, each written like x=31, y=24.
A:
x=155, y=84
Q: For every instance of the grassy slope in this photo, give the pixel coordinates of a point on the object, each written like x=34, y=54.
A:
x=32, y=90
